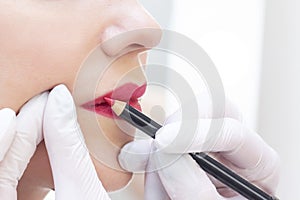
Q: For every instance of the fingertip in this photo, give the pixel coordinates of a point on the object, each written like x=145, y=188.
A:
x=166, y=137
x=7, y=115
x=134, y=156
x=60, y=102
x=30, y=117
x=61, y=94
x=122, y=157
x=233, y=111
x=60, y=119
x=35, y=104
x=7, y=119
x=125, y=158
x=60, y=88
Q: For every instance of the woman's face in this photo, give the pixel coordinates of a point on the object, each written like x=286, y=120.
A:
x=48, y=40
x=44, y=43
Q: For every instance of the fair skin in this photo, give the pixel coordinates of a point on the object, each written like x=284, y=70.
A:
x=41, y=39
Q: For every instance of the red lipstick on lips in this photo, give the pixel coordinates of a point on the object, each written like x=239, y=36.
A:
x=128, y=92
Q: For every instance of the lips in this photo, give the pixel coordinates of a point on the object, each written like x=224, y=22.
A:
x=128, y=92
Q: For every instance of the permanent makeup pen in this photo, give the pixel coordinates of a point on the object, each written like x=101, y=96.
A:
x=207, y=163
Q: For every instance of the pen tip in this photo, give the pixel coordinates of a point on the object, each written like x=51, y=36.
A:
x=109, y=101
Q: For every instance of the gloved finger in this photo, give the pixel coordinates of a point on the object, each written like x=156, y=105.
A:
x=244, y=151
x=238, y=145
x=7, y=130
x=30, y=118
x=184, y=179
x=28, y=135
x=212, y=135
x=193, y=135
x=137, y=156
x=154, y=189
x=74, y=174
x=231, y=111
x=253, y=158
x=134, y=155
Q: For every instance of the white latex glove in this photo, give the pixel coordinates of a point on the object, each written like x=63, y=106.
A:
x=19, y=137
x=73, y=171
x=238, y=147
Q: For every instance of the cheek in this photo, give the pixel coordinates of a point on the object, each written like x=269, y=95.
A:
x=52, y=46
x=58, y=63
x=58, y=67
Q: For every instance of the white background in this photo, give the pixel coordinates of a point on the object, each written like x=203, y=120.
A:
x=255, y=45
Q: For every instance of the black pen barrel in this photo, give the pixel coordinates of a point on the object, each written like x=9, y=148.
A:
x=229, y=178
x=140, y=121
x=207, y=163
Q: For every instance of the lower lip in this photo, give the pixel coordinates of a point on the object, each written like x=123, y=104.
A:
x=127, y=91
x=105, y=110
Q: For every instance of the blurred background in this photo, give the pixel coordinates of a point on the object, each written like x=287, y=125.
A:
x=255, y=46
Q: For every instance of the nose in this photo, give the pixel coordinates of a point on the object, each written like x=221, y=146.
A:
x=131, y=29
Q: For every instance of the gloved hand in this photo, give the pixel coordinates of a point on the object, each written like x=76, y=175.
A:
x=19, y=136
x=238, y=147
x=74, y=174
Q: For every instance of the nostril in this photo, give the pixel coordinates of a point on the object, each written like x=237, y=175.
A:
x=118, y=40
x=136, y=46
x=131, y=48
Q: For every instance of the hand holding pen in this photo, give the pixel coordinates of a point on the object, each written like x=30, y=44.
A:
x=238, y=147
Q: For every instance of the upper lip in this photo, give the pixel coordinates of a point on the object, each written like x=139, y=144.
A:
x=127, y=92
